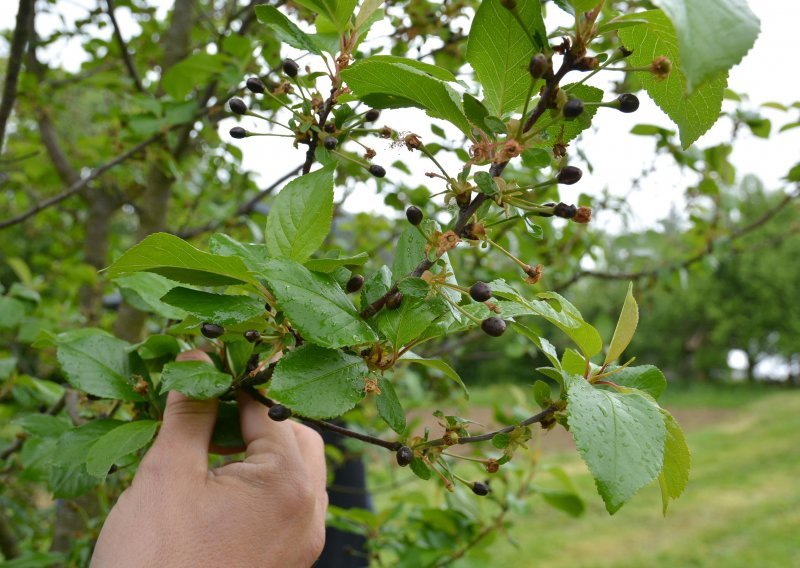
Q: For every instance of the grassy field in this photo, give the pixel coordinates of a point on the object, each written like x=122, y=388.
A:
x=741, y=508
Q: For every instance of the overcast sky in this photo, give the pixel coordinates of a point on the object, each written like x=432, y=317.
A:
x=618, y=156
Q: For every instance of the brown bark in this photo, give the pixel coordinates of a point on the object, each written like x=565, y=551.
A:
x=153, y=203
x=18, y=41
x=8, y=542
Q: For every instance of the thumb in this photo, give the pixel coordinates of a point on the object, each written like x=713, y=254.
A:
x=188, y=425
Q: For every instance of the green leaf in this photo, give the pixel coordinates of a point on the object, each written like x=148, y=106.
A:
x=300, y=216
x=238, y=352
x=330, y=264
x=195, y=379
x=693, y=113
x=414, y=288
x=254, y=255
x=97, y=363
x=68, y=476
x=645, y=378
x=338, y=12
x=410, y=320
x=316, y=305
x=368, y=77
x=677, y=461
x=475, y=110
x=176, y=259
x=117, y=444
x=432, y=70
x=195, y=70
x=713, y=35
x=42, y=425
x=501, y=440
x=12, y=312
x=499, y=50
x=376, y=285
x=409, y=251
x=626, y=327
x=439, y=365
x=157, y=346
x=567, y=130
x=565, y=498
x=285, y=30
x=144, y=290
x=389, y=406
x=221, y=309
x=620, y=436
x=485, y=183
x=420, y=468
x=542, y=394
x=319, y=383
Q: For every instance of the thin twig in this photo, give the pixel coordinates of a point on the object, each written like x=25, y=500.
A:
x=686, y=262
x=123, y=47
x=391, y=446
x=78, y=185
x=244, y=209
x=18, y=41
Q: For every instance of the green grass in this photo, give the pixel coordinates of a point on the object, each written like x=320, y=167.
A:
x=741, y=508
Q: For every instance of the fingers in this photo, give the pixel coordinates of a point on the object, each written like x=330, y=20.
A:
x=186, y=432
x=262, y=435
x=312, y=450
x=188, y=424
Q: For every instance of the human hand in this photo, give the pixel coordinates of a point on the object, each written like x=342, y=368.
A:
x=268, y=510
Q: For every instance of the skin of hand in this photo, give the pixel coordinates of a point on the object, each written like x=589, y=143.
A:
x=265, y=511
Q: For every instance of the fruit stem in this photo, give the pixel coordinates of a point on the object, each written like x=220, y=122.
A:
x=460, y=309
x=427, y=153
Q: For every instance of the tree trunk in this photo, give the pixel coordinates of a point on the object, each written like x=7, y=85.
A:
x=153, y=204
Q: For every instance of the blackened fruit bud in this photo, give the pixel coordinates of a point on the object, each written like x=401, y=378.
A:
x=573, y=108
x=565, y=211
x=479, y=488
x=212, y=330
x=551, y=204
x=254, y=85
x=569, y=175
x=238, y=132
x=480, y=292
x=330, y=142
x=329, y=127
x=404, y=456
x=279, y=413
x=267, y=307
x=628, y=102
x=414, y=215
x=372, y=115
x=252, y=335
x=493, y=326
x=508, y=4
x=355, y=284
x=394, y=301
x=238, y=105
x=539, y=65
x=290, y=67
x=377, y=171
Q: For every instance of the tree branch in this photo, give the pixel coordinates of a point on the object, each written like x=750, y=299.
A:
x=54, y=409
x=268, y=402
x=244, y=209
x=544, y=414
x=78, y=185
x=708, y=249
x=126, y=56
x=18, y=41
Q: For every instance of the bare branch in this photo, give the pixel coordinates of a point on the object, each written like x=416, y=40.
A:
x=688, y=261
x=244, y=209
x=18, y=42
x=126, y=55
x=78, y=185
